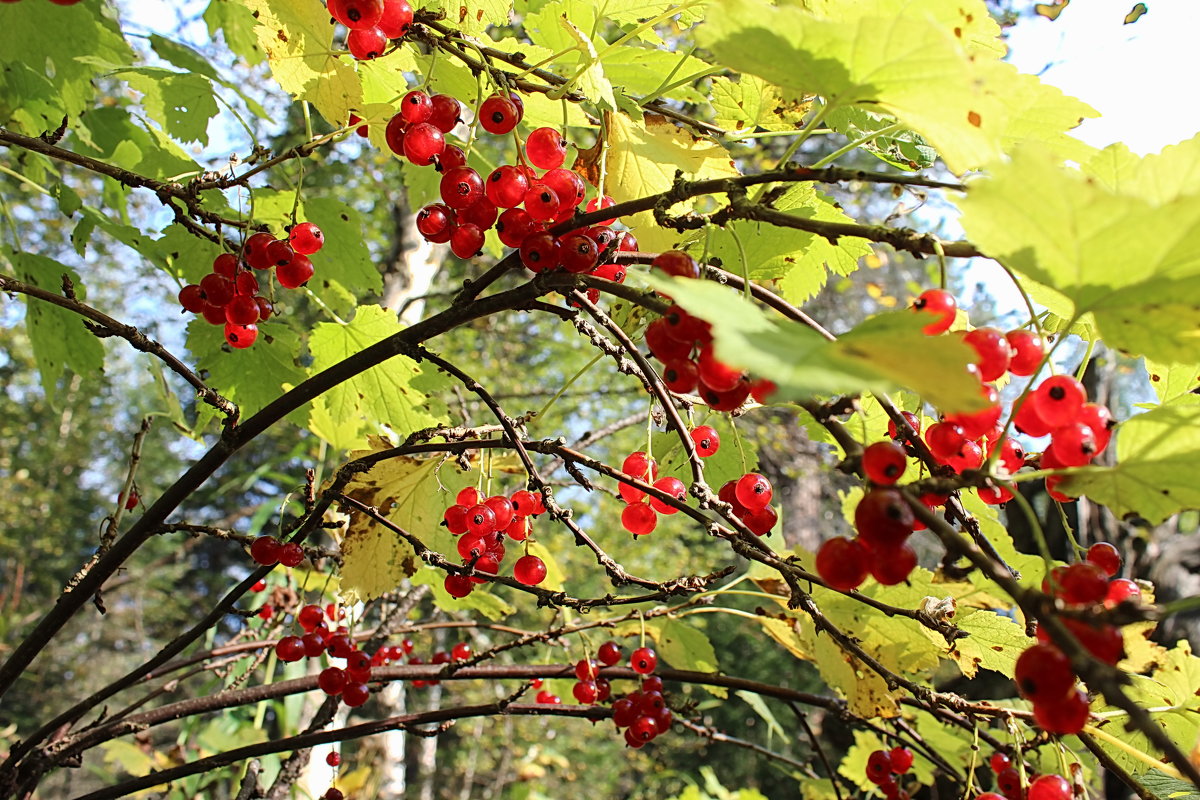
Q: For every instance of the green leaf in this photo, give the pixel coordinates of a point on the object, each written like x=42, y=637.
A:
x=799, y=260
x=253, y=377
x=481, y=599
x=1131, y=262
x=764, y=712
x=685, y=647
x=44, y=79
x=1166, y=787
x=874, y=357
x=343, y=269
x=298, y=41
x=381, y=396
x=112, y=135
x=590, y=78
x=236, y=23
x=182, y=102
x=59, y=339
x=1156, y=452
x=995, y=642
x=904, y=149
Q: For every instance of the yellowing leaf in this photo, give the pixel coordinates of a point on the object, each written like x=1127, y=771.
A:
x=642, y=160
x=413, y=494
x=751, y=103
x=1170, y=381
x=298, y=40
x=474, y=16
x=684, y=646
x=933, y=65
x=1156, y=453
x=994, y=643
x=590, y=79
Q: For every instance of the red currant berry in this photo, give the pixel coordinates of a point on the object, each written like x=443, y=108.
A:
x=290, y=648
x=366, y=43
x=945, y=440
x=643, y=660
x=396, y=19
x=1120, y=590
x=914, y=421
x=333, y=759
x=662, y=345
x=265, y=550
x=291, y=554
x=639, y=519
x=568, y=186
x=992, y=350
x=527, y=504
x=460, y=651
x=1008, y=781
x=677, y=263
x=762, y=521
x=902, y=759
x=514, y=226
x=242, y=310
x=332, y=680
x=423, y=142
x=884, y=462
x=999, y=762
x=598, y=203
x=941, y=306
x=883, y=518
x=539, y=252
x=529, y=570
x=225, y=264
x=507, y=186
x=466, y=241
x=541, y=202
x=707, y=440
x=673, y=487
x=842, y=563
x=355, y=694
x=1043, y=674
x=546, y=148
x=296, y=273
x=879, y=766
x=1049, y=787
x=1083, y=583
x=681, y=377
x=461, y=187
x=458, y=586
x=892, y=565
x=498, y=115
x=754, y=491
x=192, y=298
x=637, y=465
x=578, y=253
x=1058, y=400
x=1072, y=445
x=609, y=654
x=1028, y=349
x=356, y=14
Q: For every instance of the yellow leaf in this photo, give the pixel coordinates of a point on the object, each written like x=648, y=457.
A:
x=642, y=160
x=298, y=40
x=413, y=494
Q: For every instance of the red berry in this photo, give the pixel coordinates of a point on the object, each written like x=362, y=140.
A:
x=597, y=203
x=992, y=350
x=461, y=187
x=498, y=115
x=529, y=570
x=894, y=430
x=242, y=310
x=945, y=440
x=754, y=491
x=639, y=519
x=355, y=694
x=883, y=518
x=396, y=19
x=1058, y=400
x=310, y=617
x=1008, y=781
x=1028, y=350
x=514, y=226
x=332, y=680
x=585, y=692
x=1083, y=583
x=507, y=186
x=673, y=487
x=296, y=273
x=577, y=253
x=333, y=759
x=356, y=14
x=394, y=133
x=258, y=586
x=466, y=241
x=568, y=186
x=677, y=263
x=546, y=148
x=527, y=504
x=637, y=465
x=902, y=759
x=707, y=440
x=643, y=660
x=1049, y=787
x=446, y=112
x=423, y=142
x=609, y=654
x=366, y=43
x=539, y=252
x=892, y=565
x=192, y=298
x=714, y=373
x=1098, y=418
x=265, y=550
x=1043, y=674
x=662, y=345
x=681, y=377
x=762, y=521
x=1073, y=445
x=435, y=220
x=941, y=306
x=879, y=766
x=460, y=651
x=884, y=462
x=842, y=563
x=218, y=290
x=1120, y=590
x=458, y=586
x=290, y=554
x=999, y=762
x=290, y=648
x=541, y=202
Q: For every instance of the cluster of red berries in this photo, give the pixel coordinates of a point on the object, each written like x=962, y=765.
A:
x=884, y=765
x=1079, y=431
x=482, y=524
x=640, y=516
x=372, y=24
x=1043, y=673
x=1008, y=783
x=884, y=522
x=317, y=641
x=532, y=202
x=230, y=294
x=750, y=496
x=683, y=343
x=269, y=551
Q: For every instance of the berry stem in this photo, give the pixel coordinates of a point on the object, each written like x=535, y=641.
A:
x=854, y=145
x=744, y=261
x=541, y=413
